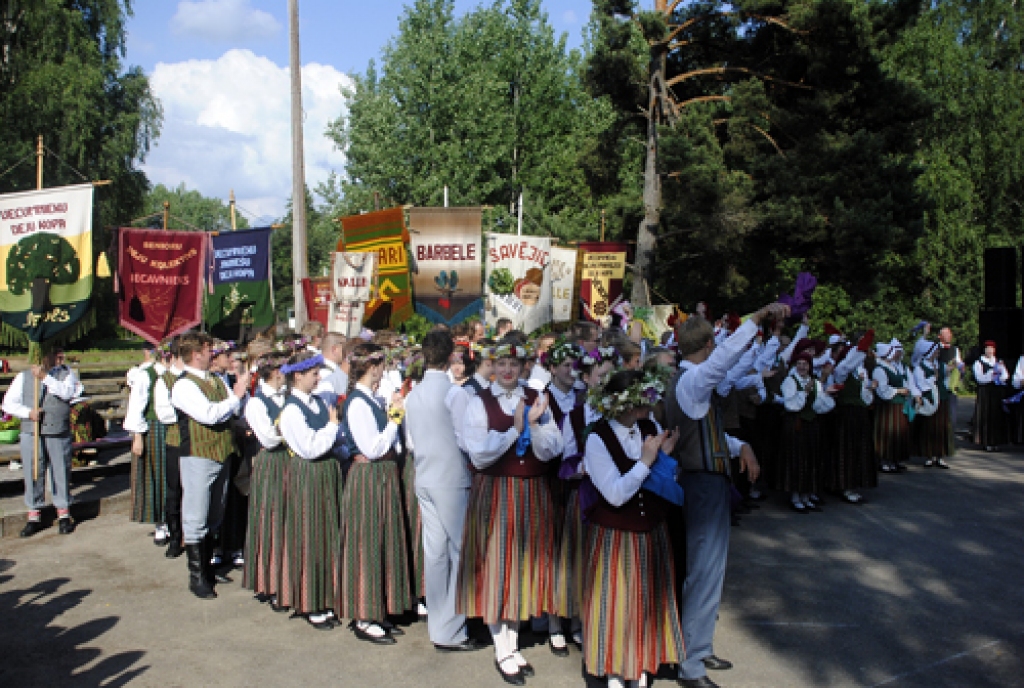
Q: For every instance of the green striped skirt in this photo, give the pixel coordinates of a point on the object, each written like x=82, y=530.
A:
x=312, y=534
x=508, y=550
x=149, y=477
x=569, y=555
x=374, y=580
x=264, y=538
x=630, y=619
x=413, y=526
x=892, y=434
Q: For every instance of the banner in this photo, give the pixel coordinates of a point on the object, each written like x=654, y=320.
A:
x=352, y=276
x=604, y=268
x=346, y=317
x=519, y=280
x=160, y=276
x=317, y=292
x=242, y=298
x=383, y=232
x=46, y=266
x=445, y=248
x=563, y=282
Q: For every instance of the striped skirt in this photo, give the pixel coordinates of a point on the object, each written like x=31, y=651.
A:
x=569, y=556
x=413, y=526
x=508, y=550
x=374, y=576
x=933, y=435
x=149, y=477
x=264, y=538
x=853, y=465
x=799, y=464
x=892, y=434
x=312, y=534
x=630, y=618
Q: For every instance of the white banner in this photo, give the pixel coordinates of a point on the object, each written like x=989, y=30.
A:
x=563, y=279
x=352, y=275
x=346, y=318
x=518, y=280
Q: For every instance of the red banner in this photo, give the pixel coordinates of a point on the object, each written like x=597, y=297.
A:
x=160, y=277
x=604, y=269
x=317, y=292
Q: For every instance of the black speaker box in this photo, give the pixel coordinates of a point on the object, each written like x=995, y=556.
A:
x=1001, y=277
x=1004, y=326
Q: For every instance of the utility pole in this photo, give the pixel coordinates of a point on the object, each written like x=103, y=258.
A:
x=300, y=264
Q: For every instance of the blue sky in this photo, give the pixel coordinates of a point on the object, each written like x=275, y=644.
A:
x=219, y=68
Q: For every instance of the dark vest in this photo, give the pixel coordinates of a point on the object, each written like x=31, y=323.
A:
x=214, y=442
x=510, y=465
x=56, y=412
x=644, y=510
x=472, y=385
x=807, y=412
x=896, y=380
x=379, y=415
x=850, y=395
x=701, y=446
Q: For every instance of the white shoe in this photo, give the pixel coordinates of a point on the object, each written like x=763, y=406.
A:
x=14, y=465
x=238, y=558
x=421, y=609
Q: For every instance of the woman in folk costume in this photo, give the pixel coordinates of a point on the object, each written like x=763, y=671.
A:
x=990, y=425
x=1013, y=403
x=630, y=620
x=168, y=417
x=375, y=579
x=804, y=398
x=508, y=546
x=149, y=471
x=895, y=393
x=414, y=370
x=265, y=570
x=854, y=467
x=931, y=425
x=312, y=498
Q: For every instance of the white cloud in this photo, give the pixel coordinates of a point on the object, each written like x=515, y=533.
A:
x=227, y=125
x=223, y=20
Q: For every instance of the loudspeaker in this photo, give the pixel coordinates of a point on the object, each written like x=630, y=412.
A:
x=1001, y=277
x=1004, y=326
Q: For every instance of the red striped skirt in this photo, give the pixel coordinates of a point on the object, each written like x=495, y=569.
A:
x=892, y=433
x=630, y=618
x=508, y=550
x=569, y=556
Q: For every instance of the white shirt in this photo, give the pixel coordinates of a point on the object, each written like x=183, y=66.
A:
x=362, y=425
x=801, y=333
x=258, y=416
x=138, y=397
x=617, y=488
x=1018, y=374
x=923, y=381
x=694, y=389
x=983, y=378
x=486, y=446
x=305, y=442
x=187, y=397
x=569, y=437
x=794, y=394
x=884, y=390
x=14, y=400
x=737, y=372
x=766, y=356
x=162, y=405
x=566, y=400
x=323, y=386
x=389, y=384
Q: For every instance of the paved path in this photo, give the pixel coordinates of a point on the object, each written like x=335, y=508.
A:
x=920, y=588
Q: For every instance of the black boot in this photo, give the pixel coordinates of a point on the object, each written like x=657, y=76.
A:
x=196, y=581
x=209, y=570
x=174, y=547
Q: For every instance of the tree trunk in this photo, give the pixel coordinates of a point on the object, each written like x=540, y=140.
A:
x=646, y=236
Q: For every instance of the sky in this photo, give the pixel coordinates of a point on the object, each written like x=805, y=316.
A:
x=220, y=71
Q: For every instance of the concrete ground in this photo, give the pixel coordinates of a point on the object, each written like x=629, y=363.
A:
x=922, y=587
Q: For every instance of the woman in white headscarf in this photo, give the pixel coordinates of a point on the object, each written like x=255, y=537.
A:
x=931, y=427
x=892, y=425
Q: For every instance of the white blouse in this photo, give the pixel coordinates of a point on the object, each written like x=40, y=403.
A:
x=794, y=394
x=301, y=439
x=617, y=488
x=486, y=446
x=258, y=416
x=362, y=425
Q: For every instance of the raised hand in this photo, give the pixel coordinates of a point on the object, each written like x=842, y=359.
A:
x=670, y=441
x=649, y=453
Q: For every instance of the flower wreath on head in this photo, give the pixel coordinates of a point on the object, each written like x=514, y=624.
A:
x=164, y=349
x=222, y=348
x=647, y=391
x=600, y=355
x=509, y=351
x=561, y=352
x=373, y=359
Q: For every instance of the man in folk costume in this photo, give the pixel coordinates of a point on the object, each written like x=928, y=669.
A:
x=508, y=551
x=990, y=373
x=205, y=408
x=703, y=452
x=896, y=394
x=57, y=385
x=148, y=478
x=167, y=418
x=953, y=365
x=442, y=490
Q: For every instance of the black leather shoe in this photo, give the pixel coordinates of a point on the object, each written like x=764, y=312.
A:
x=516, y=679
x=392, y=629
x=527, y=670
x=716, y=664
x=66, y=527
x=702, y=682
x=174, y=549
x=467, y=645
x=385, y=639
x=30, y=529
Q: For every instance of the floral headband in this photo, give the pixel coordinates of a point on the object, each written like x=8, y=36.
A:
x=648, y=391
x=471, y=349
x=509, y=351
x=303, y=366
x=561, y=352
x=600, y=355
x=222, y=348
x=373, y=359
x=164, y=350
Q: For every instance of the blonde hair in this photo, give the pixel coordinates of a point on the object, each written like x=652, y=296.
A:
x=693, y=335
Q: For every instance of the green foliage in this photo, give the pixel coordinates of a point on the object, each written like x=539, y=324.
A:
x=488, y=105
x=62, y=76
x=501, y=281
x=322, y=234
x=416, y=327
x=191, y=208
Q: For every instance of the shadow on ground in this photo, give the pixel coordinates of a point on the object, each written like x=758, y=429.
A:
x=38, y=651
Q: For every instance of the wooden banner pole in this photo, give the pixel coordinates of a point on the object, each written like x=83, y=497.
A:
x=234, y=224
x=35, y=397
x=167, y=213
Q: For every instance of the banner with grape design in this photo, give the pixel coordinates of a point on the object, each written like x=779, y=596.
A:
x=46, y=266
x=445, y=265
